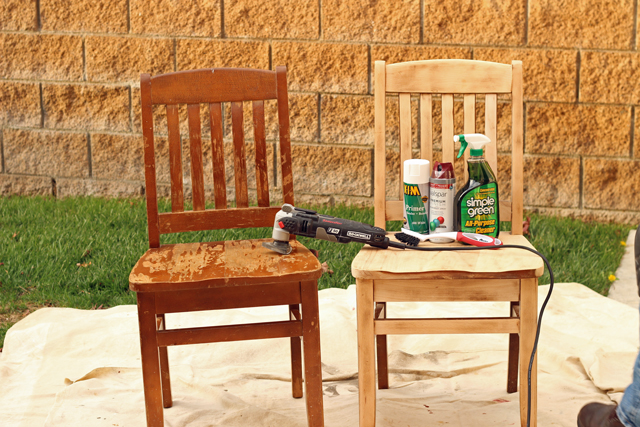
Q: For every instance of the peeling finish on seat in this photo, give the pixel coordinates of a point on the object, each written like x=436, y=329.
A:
x=219, y=263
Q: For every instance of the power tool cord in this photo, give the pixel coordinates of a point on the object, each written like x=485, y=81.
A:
x=544, y=304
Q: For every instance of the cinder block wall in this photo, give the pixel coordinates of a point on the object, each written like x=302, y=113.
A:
x=69, y=87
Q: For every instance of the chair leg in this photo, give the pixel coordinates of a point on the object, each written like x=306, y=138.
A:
x=381, y=350
x=165, y=376
x=528, y=324
x=366, y=353
x=150, y=359
x=296, y=356
x=514, y=344
x=312, y=361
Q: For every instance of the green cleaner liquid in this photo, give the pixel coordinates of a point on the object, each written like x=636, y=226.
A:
x=477, y=204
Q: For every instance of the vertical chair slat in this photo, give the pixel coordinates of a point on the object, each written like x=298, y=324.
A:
x=217, y=156
x=175, y=159
x=195, y=144
x=262, y=174
x=405, y=134
x=239, y=156
x=447, y=128
x=149, y=161
x=516, y=150
x=285, y=140
x=379, y=184
x=426, y=127
x=490, y=129
x=469, y=124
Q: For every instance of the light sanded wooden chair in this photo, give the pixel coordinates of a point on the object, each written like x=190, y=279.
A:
x=174, y=278
x=386, y=276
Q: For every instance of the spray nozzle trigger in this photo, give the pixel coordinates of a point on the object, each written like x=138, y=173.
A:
x=476, y=140
x=463, y=144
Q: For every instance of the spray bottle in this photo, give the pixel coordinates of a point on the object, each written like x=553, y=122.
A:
x=477, y=204
x=416, y=195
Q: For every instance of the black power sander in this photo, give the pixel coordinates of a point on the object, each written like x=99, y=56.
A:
x=308, y=223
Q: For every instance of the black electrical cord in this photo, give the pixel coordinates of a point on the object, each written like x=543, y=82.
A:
x=544, y=305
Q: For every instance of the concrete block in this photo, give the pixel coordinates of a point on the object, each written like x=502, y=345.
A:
x=41, y=57
x=20, y=104
x=347, y=119
x=95, y=16
x=636, y=134
x=56, y=154
x=87, y=107
x=117, y=157
x=591, y=24
x=323, y=67
x=548, y=75
x=18, y=15
x=610, y=77
x=591, y=130
x=474, y=22
x=332, y=170
x=123, y=59
x=25, y=185
x=277, y=19
x=386, y=21
x=393, y=54
x=200, y=18
x=611, y=184
x=552, y=181
x=70, y=187
x=194, y=54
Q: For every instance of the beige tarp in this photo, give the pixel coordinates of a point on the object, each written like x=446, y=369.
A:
x=67, y=367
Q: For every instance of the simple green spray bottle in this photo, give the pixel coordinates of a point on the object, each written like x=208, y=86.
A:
x=477, y=205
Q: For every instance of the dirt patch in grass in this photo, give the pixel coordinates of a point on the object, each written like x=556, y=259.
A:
x=10, y=317
x=16, y=315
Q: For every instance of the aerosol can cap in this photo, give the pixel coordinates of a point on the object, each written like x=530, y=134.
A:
x=416, y=171
x=476, y=140
x=442, y=173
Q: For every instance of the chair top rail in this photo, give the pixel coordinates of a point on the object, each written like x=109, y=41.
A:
x=213, y=85
x=454, y=76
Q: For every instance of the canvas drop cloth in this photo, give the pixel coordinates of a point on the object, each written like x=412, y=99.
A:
x=67, y=367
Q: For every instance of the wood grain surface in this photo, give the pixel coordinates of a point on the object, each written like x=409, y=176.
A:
x=372, y=263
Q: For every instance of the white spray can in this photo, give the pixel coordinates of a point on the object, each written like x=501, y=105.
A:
x=442, y=192
x=416, y=195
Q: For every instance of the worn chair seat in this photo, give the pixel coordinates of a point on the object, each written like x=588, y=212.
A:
x=215, y=264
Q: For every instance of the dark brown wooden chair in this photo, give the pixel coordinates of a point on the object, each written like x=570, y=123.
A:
x=187, y=277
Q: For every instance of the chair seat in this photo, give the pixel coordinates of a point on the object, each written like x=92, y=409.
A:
x=213, y=264
x=376, y=264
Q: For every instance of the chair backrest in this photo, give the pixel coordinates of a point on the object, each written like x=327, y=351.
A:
x=447, y=78
x=214, y=87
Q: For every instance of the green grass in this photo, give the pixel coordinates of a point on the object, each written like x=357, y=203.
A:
x=78, y=252
x=582, y=252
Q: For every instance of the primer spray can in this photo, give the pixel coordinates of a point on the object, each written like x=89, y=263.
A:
x=416, y=195
x=442, y=192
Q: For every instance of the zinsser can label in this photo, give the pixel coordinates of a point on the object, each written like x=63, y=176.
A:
x=416, y=202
